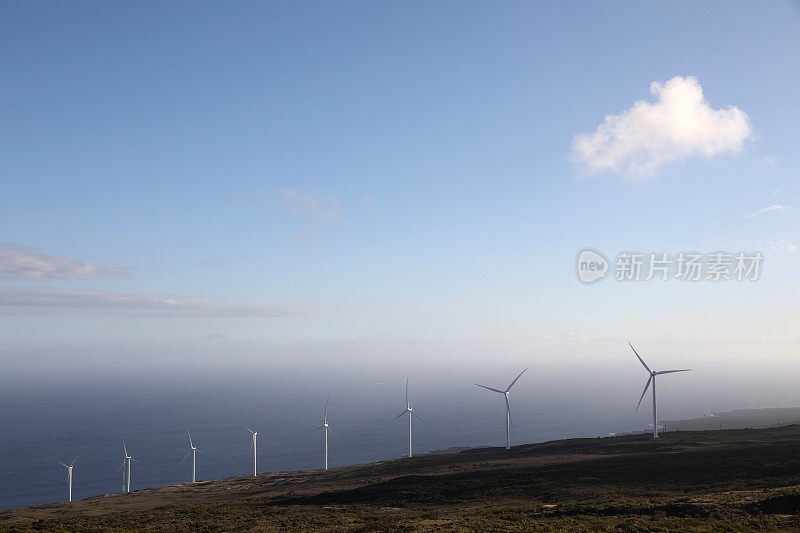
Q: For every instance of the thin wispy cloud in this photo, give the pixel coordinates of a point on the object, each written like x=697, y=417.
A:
x=766, y=210
x=211, y=261
x=217, y=337
x=47, y=301
x=315, y=206
x=313, y=209
x=680, y=124
x=783, y=246
x=26, y=263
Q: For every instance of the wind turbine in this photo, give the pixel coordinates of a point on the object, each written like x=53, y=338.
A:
x=652, y=379
x=327, y=428
x=193, y=452
x=69, y=476
x=505, y=394
x=127, y=459
x=411, y=414
x=255, y=446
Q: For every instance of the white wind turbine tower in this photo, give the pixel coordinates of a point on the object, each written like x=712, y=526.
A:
x=327, y=428
x=652, y=379
x=505, y=394
x=255, y=447
x=411, y=414
x=69, y=476
x=193, y=452
x=127, y=460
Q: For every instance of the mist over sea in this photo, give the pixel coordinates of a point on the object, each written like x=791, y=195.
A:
x=87, y=419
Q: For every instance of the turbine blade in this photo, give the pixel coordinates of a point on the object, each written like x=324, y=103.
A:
x=186, y=457
x=417, y=417
x=73, y=461
x=639, y=357
x=646, y=386
x=124, y=447
x=508, y=410
x=515, y=379
x=317, y=429
x=672, y=371
x=248, y=429
x=489, y=388
x=406, y=391
x=62, y=464
x=398, y=416
x=326, y=408
x=191, y=444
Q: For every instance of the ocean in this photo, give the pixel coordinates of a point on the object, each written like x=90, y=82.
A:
x=44, y=424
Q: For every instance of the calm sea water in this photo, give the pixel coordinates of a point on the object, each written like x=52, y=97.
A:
x=40, y=426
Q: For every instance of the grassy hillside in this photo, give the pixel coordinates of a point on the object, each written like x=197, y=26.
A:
x=721, y=480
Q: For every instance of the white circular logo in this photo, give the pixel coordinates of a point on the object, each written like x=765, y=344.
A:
x=592, y=266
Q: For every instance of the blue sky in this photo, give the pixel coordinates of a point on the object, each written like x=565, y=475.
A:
x=396, y=173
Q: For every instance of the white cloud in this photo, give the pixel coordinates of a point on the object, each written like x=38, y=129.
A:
x=680, y=124
x=315, y=206
x=315, y=209
x=24, y=262
x=770, y=209
x=36, y=301
x=783, y=246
